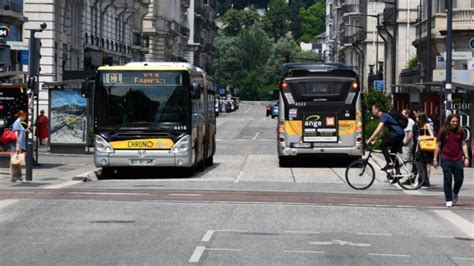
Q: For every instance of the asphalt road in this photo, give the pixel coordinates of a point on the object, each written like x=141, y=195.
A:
x=244, y=210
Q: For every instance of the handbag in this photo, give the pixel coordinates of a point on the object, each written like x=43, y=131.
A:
x=17, y=159
x=8, y=136
x=427, y=143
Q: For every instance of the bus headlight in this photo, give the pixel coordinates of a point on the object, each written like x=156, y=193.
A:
x=184, y=144
x=102, y=146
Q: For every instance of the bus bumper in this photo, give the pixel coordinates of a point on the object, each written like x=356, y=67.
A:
x=151, y=158
x=357, y=150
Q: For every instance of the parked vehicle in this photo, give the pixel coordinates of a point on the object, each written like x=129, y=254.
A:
x=274, y=111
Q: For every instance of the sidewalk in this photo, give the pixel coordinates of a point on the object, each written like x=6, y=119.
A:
x=53, y=169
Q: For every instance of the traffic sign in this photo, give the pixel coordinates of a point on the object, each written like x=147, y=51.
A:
x=471, y=43
x=379, y=85
x=25, y=56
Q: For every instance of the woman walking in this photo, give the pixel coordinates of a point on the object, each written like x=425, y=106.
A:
x=452, y=146
x=42, y=127
x=19, y=146
x=426, y=157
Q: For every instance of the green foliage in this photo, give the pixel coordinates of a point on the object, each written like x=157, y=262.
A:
x=313, y=20
x=278, y=15
x=236, y=20
x=412, y=63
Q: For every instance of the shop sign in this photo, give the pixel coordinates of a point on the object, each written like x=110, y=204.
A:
x=4, y=32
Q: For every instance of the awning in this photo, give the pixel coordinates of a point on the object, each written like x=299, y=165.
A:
x=62, y=83
x=12, y=75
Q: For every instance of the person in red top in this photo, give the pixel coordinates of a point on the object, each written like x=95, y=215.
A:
x=452, y=146
x=42, y=127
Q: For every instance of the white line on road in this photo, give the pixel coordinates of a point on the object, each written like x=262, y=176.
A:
x=237, y=179
x=340, y=243
x=6, y=203
x=218, y=139
x=197, y=254
x=459, y=258
x=462, y=224
x=304, y=251
x=207, y=236
x=240, y=140
x=374, y=234
x=184, y=195
x=108, y=193
x=256, y=136
x=389, y=255
x=231, y=230
x=302, y=232
x=223, y=249
x=63, y=185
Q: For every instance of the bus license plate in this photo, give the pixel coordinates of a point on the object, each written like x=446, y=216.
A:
x=141, y=162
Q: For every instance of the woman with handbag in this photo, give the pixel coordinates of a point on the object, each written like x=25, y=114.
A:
x=424, y=151
x=17, y=159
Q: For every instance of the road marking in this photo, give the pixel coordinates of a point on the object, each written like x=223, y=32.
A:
x=305, y=251
x=459, y=258
x=256, y=136
x=340, y=243
x=240, y=140
x=197, y=254
x=207, y=236
x=462, y=224
x=184, y=195
x=302, y=232
x=231, y=230
x=374, y=234
x=63, y=185
x=237, y=179
x=218, y=139
x=108, y=193
x=6, y=203
x=223, y=249
x=389, y=255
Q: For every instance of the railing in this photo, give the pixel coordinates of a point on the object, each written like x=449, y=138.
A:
x=350, y=8
x=463, y=16
x=463, y=19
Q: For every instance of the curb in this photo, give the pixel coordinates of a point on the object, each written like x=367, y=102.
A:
x=88, y=176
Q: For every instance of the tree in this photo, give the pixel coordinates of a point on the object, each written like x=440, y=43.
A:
x=296, y=26
x=235, y=20
x=314, y=21
x=278, y=15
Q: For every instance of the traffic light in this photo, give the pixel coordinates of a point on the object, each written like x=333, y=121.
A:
x=35, y=57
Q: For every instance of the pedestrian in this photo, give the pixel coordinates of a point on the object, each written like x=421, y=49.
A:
x=425, y=157
x=407, y=149
x=19, y=146
x=42, y=127
x=451, y=146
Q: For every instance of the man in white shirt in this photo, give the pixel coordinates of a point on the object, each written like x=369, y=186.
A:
x=407, y=149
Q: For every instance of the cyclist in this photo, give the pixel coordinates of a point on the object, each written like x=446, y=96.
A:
x=392, y=140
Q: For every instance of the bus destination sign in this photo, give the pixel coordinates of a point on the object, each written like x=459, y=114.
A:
x=142, y=78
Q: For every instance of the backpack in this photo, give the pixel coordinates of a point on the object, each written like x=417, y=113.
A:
x=8, y=137
x=400, y=119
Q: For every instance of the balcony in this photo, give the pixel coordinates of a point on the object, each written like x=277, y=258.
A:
x=348, y=40
x=463, y=20
x=388, y=16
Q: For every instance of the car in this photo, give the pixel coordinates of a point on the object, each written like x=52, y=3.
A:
x=275, y=111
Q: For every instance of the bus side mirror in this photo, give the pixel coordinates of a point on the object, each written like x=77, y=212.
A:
x=276, y=95
x=196, y=91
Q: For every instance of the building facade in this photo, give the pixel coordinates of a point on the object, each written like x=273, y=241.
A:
x=11, y=40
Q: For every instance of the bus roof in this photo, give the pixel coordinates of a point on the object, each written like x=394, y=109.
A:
x=178, y=66
x=304, y=69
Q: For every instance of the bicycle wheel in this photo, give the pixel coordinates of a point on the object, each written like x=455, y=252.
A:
x=411, y=175
x=360, y=174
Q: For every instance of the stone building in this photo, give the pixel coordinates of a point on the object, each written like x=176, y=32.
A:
x=11, y=40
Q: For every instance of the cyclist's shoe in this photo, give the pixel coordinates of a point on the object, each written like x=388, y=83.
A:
x=449, y=204
x=426, y=184
x=394, y=180
x=387, y=167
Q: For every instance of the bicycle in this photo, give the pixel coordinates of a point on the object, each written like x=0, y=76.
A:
x=410, y=175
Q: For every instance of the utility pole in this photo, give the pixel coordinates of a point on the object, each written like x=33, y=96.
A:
x=33, y=75
x=449, y=63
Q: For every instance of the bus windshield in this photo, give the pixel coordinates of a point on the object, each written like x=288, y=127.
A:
x=141, y=100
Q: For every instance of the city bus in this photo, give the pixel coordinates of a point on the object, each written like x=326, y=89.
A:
x=319, y=111
x=149, y=114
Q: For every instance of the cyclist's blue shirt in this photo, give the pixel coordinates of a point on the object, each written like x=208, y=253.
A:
x=392, y=124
